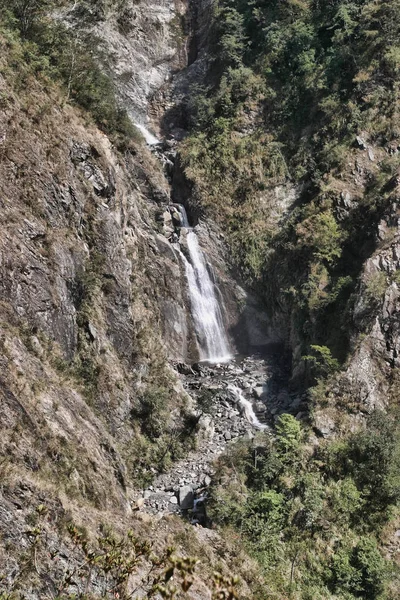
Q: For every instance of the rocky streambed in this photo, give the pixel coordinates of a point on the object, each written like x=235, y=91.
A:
x=241, y=398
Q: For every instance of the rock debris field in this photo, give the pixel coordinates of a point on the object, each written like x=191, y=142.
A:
x=254, y=383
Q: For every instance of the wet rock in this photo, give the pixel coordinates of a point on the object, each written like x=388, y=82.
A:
x=184, y=369
x=176, y=218
x=215, y=431
x=258, y=392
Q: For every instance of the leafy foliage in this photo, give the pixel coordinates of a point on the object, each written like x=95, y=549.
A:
x=54, y=51
x=290, y=87
x=312, y=518
x=321, y=361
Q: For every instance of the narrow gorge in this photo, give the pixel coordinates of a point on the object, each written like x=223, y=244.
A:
x=199, y=299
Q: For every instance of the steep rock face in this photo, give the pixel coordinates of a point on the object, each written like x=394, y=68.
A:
x=148, y=48
x=92, y=305
x=85, y=214
x=369, y=380
x=376, y=356
x=92, y=301
x=145, y=44
x=181, y=87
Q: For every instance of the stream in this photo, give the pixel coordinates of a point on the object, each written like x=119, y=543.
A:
x=248, y=393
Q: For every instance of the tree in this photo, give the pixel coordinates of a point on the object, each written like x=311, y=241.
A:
x=288, y=436
x=373, y=458
x=321, y=361
x=322, y=235
x=27, y=12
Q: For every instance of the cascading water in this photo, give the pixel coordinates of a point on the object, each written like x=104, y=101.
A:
x=247, y=407
x=151, y=139
x=207, y=317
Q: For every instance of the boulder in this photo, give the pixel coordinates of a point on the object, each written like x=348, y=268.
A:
x=186, y=497
x=207, y=480
x=324, y=426
x=177, y=218
x=361, y=143
x=138, y=504
x=167, y=217
x=184, y=369
x=168, y=231
x=346, y=199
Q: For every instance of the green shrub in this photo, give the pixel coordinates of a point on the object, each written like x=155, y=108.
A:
x=371, y=567
x=288, y=436
x=360, y=570
x=321, y=361
x=313, y=523
x=54, y=51
x=151, y=409
x=376, y=287
x=322, y=235
x=373, y=458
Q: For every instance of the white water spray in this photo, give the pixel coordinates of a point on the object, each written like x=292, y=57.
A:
x=207, y=317
x=247, y=407
x=151, y=139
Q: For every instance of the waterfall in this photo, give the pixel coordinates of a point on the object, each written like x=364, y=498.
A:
x=247, y=407
x=151, y=139
x=207, y=317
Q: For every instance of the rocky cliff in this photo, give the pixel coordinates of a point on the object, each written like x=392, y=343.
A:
x=107, y=425
x=94, y=303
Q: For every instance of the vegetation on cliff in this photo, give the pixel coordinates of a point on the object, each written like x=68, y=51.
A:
x=301, y=94
x=313, y=516
x=294, y=89
x=53, y=50
x=304, y=96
